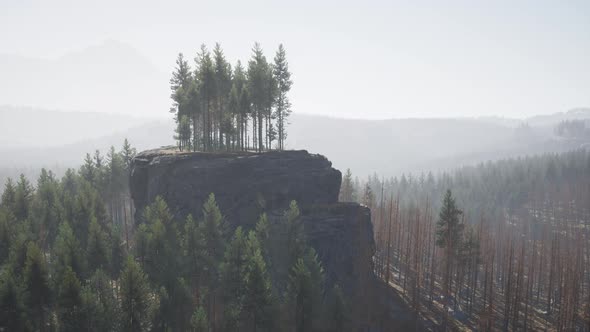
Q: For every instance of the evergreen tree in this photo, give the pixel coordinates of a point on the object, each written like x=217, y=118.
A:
x=127, y=153
x=283, y=80
x=306, y=291
x=233, y=270
x=295, y=242
x=100, y=308
x=46, y=210
x=199, y=322
x=137, y=307
x=162, y=245
x=23, y=197
x=12, y=310
x=205, y=75
x=98, y=251
x=212, y=228
x=243, y=104
x=258, y=90
x=448, y=234
x=347, y=189
x=67, y=253
x=8, y=199
x=7, y=233
x=69, y=302
x=179, y=84
x=36, y=287
x=194, y=253
x=223, y=86
x=258, y=293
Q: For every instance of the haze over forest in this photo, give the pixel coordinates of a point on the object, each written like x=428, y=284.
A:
x=307, y=166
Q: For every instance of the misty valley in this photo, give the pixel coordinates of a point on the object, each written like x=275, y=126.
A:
x=365, y=167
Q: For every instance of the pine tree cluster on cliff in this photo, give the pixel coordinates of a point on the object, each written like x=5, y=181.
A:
x=217, y=107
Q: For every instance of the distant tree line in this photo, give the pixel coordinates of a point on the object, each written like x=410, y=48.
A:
x=217, y=107
x=572, y=129
x=507, y=250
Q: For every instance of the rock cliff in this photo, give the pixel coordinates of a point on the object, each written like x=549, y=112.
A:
x=247, y=184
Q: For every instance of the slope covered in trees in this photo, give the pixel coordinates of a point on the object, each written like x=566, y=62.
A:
x=71, y=259
x=505, y=249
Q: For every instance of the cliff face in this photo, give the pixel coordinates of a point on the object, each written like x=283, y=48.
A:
x=244, y=184
x=247, y=184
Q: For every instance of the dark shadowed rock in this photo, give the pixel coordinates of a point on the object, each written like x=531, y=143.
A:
x=244, y=184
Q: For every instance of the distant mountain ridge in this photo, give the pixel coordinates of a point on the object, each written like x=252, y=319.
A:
x=387, y=147
x=109, y=77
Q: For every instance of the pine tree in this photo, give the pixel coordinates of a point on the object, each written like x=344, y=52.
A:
x=205, y=75
x=258, y=293
x=67, y=253
x=162, y=243
x=347, y=188
x=8, y=199
x=243, y=106
x=199, y=322
x=36, y=287
x=223, y=86
x=98, y=251
x=283, y=80
x=136, y=305
x=448, y=235
x=179, y=84
x=233, y=270
x=12, y=309
x=258, y=90
x=128, y=153
x=295, y=242
x=100, y=308
x=23, y=197
x=212, y=228
x=69, y=302
x=305, y=291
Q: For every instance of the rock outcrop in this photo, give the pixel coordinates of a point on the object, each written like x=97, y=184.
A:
x=244, y=184
x=247, y=184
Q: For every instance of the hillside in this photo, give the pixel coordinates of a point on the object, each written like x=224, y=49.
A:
x=411, y=144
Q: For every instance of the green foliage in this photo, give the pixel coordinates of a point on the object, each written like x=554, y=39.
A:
x=23, y=198
x=36, y=286
x=295, y=242
x=284, y=82
x=199, y=322
x=160, y=243
x=100, y=307
x=137, y=305
x=67, y=253
x=449, y=227
x=216, y=103
x=258, y=293
x=98, y=251
x=347, y=191
x=305, y=292
x=12, y=309
x=69, y=302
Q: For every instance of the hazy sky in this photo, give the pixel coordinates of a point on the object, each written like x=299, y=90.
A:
x=373, y=59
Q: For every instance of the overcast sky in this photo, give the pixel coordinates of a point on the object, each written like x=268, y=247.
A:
x=363, y=59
